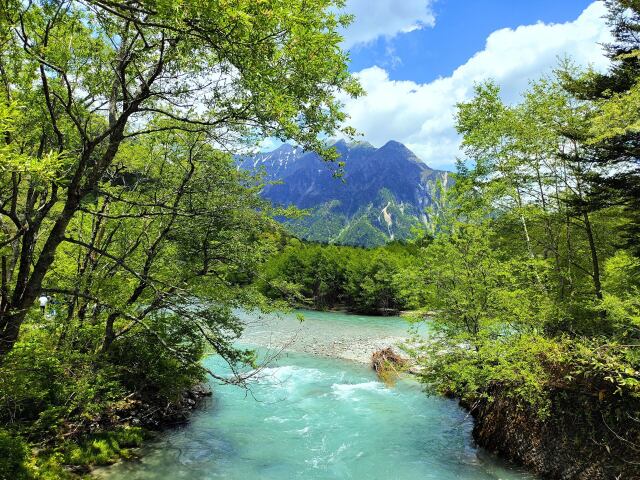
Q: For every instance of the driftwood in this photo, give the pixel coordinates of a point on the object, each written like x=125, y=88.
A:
x=388, y=365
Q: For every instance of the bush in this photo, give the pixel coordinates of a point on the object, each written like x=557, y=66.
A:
x=41, y=388
x=520, y=365
x=146, y=367
x=13, y=455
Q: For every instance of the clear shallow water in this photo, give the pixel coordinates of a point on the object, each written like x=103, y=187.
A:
x=321, y=324
x=337, y=335
x=310, y=417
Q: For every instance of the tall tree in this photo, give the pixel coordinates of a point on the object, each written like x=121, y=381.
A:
x=96, y=76
x=532, y=164
x=615, y=131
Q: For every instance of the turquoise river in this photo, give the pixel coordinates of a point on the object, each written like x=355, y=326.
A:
x=319, y=412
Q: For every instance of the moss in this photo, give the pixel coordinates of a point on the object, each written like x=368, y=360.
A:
x=49, y=467
x=70, y=460
x=103, y=448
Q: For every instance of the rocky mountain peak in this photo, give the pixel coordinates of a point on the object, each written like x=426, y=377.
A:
x=382, y=196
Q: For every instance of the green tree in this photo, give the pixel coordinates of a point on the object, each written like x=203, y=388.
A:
x=324, y=276
x=531, y=168
x=96, y=78
x=532, y=289
x=615, y=136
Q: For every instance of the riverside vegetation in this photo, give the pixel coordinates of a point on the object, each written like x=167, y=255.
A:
x=532, y=270
x=118, y=201
x=115, y=202
x=374, y=281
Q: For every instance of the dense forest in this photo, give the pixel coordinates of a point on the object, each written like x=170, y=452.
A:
x=122, y=208
x=534, y=273
x=122, y=212
x=320, y=276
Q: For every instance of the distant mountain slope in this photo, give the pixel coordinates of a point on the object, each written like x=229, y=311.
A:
x=382, y=196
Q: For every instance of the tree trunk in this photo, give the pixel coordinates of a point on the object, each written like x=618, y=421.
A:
x=23, y=298
x=597, y=285
x=109, y=333
x=9, y=333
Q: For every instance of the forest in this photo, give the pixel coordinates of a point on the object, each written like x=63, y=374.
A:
x=533, y=273
x=121, y=204
x=374, y=281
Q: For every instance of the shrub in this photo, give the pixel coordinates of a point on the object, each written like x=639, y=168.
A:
x=13, y=456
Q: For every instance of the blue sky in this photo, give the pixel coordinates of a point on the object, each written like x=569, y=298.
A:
x=461, y=29
x=417, y=58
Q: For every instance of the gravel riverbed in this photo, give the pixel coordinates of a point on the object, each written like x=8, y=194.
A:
x=325, y=334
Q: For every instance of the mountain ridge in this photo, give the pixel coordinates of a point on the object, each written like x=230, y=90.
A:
x=383, y=194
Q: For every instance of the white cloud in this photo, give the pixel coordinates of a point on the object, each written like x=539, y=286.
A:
x=269, y=144
x=385, y=18
x=421, y=115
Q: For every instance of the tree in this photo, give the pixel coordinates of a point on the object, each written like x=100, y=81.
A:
x=324, y=276
x=96, y=78
x=531, y=165
x=615, y=136
x=534, y=296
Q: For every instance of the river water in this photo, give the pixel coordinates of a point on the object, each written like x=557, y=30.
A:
x=310, y=416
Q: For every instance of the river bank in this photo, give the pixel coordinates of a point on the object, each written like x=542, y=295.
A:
x=315, y=417
x=328, y=334
x=154, y=416
x=574, y=442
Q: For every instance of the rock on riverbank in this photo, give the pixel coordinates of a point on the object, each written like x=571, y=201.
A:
x=150, y=414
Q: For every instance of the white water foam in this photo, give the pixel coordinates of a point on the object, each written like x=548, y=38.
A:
x=349, y=390
x=289, y=375
x=274, y=419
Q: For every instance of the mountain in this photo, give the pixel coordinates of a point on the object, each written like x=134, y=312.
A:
x=383, y=195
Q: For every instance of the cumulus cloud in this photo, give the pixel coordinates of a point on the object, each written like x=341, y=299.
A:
x=422, y=115
x=385, y=18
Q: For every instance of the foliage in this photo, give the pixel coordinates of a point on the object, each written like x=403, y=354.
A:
x=613, y=130
x=329, y=276
x=121, y=201
x=517, y=365
x=125, y=137
x=103, y=448
x=533, y=287
x=365, y=228
x=13, y=454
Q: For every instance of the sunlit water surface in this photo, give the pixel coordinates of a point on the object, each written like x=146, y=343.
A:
x=310, y=417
